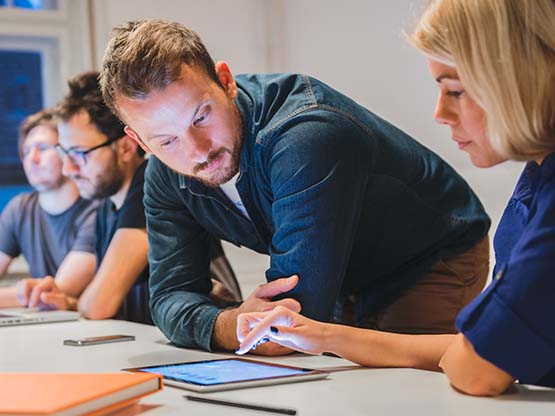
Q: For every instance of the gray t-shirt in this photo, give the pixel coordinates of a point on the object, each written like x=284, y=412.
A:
x=42, y=238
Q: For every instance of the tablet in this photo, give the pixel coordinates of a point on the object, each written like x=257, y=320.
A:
x=228, y=374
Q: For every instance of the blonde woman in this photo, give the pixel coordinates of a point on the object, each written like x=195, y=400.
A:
x=494, y=63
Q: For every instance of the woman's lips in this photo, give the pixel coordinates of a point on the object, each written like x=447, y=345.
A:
x=462, y=143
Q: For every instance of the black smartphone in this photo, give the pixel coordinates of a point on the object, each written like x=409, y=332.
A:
x=98, y=340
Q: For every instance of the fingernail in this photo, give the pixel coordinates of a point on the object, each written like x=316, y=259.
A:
x=274, y=330
x=262, y=341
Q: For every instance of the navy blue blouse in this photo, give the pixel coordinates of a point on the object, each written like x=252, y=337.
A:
x=512, y=323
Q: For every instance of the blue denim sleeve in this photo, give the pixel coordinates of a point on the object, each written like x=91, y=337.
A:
x=318, y=170
x=179, y=263
x=511, y=323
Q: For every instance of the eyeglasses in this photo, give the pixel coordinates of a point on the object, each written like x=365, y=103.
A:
x=79, y=156
x=39, y=147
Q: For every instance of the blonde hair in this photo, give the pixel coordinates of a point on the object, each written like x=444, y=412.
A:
x=504, y=53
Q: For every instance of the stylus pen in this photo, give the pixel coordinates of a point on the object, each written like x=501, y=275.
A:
x=280, y=410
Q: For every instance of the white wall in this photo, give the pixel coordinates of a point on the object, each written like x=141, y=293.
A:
x=231, y=30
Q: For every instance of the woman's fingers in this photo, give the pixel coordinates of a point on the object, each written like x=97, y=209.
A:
x=260, y=326
x=246, y=321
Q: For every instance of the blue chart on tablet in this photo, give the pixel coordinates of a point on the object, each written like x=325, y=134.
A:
x=222, y=371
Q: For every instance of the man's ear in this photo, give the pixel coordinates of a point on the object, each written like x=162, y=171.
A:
x=226, y=79
x=127, y=147
x=135, y=137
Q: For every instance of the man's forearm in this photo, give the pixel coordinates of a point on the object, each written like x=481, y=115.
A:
x=186, y=318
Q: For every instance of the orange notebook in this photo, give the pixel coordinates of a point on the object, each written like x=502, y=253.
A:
x=31, y=394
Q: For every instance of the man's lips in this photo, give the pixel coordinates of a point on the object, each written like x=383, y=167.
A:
x=214, y=164
x=79, y=180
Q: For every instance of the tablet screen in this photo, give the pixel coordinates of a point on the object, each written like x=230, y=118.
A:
x=208, y=373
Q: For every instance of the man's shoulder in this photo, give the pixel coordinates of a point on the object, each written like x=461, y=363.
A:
x=291, y=86
x=135, y=192
x=274, y=102
x=23, y=203
x=132, y=212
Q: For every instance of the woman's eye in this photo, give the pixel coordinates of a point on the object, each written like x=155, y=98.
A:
x=455, y=94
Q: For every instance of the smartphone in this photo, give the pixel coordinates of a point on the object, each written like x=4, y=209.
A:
x=98, y=340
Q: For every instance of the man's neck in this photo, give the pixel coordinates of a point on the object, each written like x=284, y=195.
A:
x=56, y=201
x=129, y=171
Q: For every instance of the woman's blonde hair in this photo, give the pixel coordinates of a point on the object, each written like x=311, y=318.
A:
x=504, y=53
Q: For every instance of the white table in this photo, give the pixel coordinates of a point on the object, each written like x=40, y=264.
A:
x=39, y=348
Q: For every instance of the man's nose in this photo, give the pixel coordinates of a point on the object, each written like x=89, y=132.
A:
x=34, y=155
x=69, y=167
x=198, y=145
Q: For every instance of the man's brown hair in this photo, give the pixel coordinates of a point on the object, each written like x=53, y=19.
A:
x=42, y=118
x=147, y=55
x=84, y=95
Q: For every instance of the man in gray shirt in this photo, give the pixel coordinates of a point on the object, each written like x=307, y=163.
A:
x=53, y=227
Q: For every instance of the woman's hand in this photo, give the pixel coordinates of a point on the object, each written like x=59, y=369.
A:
x=282, y=326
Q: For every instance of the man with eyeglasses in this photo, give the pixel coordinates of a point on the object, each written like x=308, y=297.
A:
x=108, y=165
x=52, y=227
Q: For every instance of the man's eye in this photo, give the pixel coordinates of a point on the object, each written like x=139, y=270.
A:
x=76, y=153
x=201, y=118
x=42, y=147
x=168, y=142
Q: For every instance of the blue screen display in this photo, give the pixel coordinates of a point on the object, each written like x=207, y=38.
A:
x=208, y=373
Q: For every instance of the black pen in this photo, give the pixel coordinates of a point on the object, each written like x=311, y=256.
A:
x=282, y=410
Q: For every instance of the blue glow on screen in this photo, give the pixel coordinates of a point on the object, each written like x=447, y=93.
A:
x=225, y=371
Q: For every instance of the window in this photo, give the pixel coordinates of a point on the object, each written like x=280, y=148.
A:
x=42, y=43
x=31, y=4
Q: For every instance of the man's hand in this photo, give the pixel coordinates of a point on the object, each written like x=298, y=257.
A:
x=24, y=288
x=224, y=335
x=44, y=293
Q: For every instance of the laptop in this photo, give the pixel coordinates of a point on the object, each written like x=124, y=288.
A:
x=25, y=316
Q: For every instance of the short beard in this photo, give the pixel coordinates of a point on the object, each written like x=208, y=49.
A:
x=108, y=182
x=221, y=177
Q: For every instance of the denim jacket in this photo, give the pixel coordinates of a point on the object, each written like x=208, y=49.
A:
x=334, y=193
